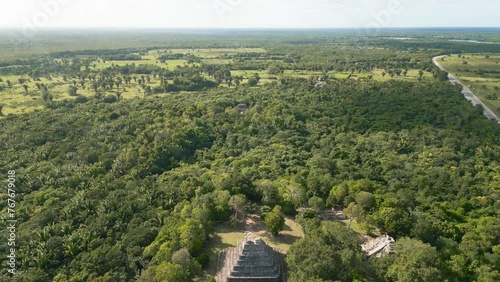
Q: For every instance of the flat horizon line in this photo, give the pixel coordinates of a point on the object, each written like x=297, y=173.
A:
x=249, y=28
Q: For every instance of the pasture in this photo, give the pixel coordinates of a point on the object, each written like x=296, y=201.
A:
x=481, y=72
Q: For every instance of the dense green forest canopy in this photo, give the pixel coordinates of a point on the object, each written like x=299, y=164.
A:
x=112, y=189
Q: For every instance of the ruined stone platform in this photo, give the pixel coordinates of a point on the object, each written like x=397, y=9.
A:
x=251, y=261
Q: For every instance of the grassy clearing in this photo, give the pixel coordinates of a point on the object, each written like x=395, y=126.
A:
x=212, y=53
x=18, y=101
x=479, y=74
x=376, y=74
x=226, y=236
x=170, y=64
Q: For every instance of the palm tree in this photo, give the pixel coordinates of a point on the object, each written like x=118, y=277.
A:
x=46, y=95
x=25, y=88
x=95, y=86
x=391, y=73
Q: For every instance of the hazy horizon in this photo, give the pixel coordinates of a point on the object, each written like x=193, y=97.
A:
x=249, y=14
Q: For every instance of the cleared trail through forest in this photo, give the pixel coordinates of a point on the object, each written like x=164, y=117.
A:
x=469, y=95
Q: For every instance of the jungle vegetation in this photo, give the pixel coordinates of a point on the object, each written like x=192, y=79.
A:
x=113, y=188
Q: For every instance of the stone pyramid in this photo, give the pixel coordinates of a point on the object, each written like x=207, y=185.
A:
x=251, y=261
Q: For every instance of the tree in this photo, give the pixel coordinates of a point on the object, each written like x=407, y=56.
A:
x=365, y=200
x=46, y=96
x=275, y=221
x=25, y=88
x=330, y=253
x=312, y=258
x=95, y=87
x=183, y=258
x=72, y=90
x=237, y=80
x=353, y=211
x=317, y=203
x=238, y=203
x=192, y=235
x=171, y=272
x=274, y=70
x=415, y=261
x=291, y=191
x=222, y=211
x=1, y=109
x=252, y=81
x=394, y=221
x=148, y=90
x=337, y=195
x=384, y=74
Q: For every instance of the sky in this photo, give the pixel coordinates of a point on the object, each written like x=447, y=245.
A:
x=30, y=14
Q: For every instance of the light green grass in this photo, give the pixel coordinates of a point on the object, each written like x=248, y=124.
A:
x=170, y=64
x=210, y=53
x=17, y=101
x=475, y=62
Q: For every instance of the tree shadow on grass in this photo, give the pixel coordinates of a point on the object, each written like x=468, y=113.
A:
x=287, y=228
x=287, y=239
x=215, y=243
x=212, y=249
x=227, y=227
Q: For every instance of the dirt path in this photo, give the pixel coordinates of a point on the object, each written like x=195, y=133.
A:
x=469, y=95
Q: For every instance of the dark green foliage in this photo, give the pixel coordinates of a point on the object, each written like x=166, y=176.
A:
x=252, y=81
x=138, y=180
x=274, y=221
x=112, y=187
x=329, y=253
x=72, y=90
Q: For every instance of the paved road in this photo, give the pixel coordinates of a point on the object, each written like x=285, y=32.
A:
x=467, y=92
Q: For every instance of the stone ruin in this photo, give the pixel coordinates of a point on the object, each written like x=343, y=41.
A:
x=380, y=245
x=251, y=261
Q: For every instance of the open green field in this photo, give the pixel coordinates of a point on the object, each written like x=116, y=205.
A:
x=17, y=101
x=213, y=52
x=481, y=73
